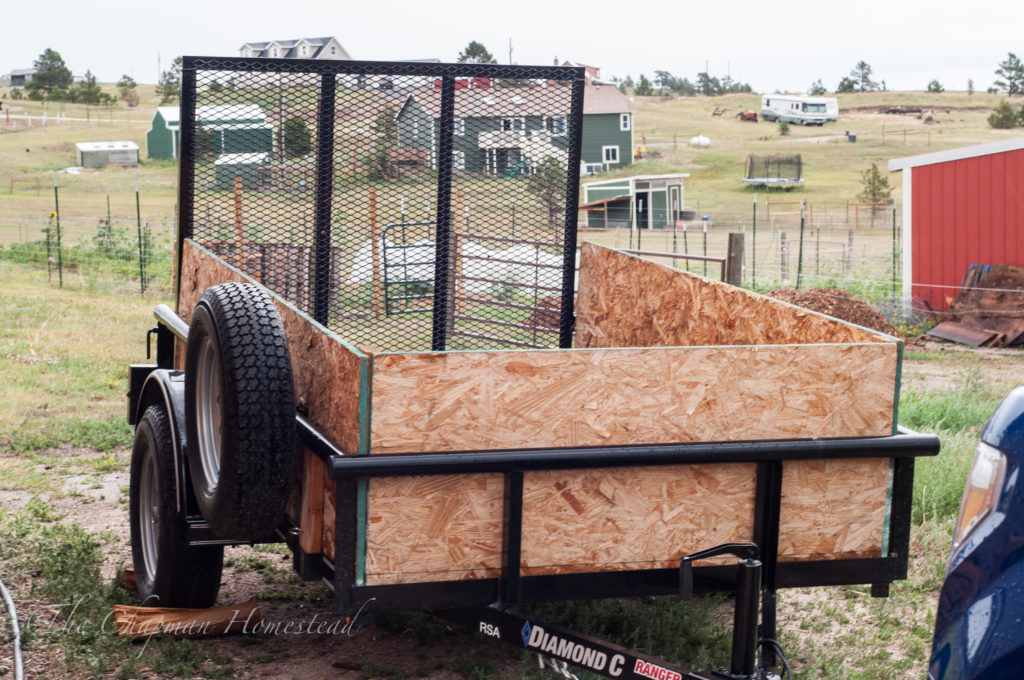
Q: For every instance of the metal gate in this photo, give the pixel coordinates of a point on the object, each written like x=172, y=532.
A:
x=406, y=206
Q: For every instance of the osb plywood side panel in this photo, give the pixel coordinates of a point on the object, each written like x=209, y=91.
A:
x=833, y=509
x=625, y=301
x=449, y=527
x=632, y=518
x=327, y=374
x=495, y=400
x=441, y=527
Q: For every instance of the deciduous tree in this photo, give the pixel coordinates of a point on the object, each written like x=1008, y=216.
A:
x=935, y=86
x=476, y=53
x=817, y=88
x=548, y=185
x=298, y=141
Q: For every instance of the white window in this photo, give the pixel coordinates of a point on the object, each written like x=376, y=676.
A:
x=459, y=126
x=555, y=125
x=624, y=121
x=273, y=52
x=334, y=50
x=610, y=154
x=459, y=160
x=303, y=50
x=513, y=124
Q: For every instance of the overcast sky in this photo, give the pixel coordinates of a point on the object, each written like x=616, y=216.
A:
x=774, y=46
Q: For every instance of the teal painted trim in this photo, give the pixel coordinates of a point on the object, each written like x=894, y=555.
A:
x=363, y=485
x=362, y=491
x=888, y=511
x=899, y=385
x=331, y=334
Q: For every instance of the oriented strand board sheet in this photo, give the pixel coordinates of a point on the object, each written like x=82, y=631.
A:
x=449, y=527
x=833, y=509
x=633, y=518
x=329, y=376
x=556, y=398
x=625, y=301
x=441, y=527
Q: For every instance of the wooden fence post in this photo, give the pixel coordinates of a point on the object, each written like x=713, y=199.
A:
x=378, y=289
x=734, y=260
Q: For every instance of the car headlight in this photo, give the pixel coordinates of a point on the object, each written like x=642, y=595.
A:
x=980, y=493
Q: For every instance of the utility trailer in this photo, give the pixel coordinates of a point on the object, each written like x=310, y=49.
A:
x=385, y=354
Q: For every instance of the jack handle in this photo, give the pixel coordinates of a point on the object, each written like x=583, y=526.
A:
x=744, y=551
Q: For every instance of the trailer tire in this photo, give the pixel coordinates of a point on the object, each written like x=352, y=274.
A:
x=239, y=411
x=168, y=571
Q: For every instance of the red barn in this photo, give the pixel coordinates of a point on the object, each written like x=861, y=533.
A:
x=960, y=207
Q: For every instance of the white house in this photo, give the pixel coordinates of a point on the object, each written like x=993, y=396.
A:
x=300, y=48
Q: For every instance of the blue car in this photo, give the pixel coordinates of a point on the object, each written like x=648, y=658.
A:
x=979, y=628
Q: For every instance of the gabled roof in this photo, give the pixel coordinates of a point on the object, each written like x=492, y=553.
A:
x=238, y=114
x=498, y=101
x=963, y=152
x=290, y=47
x=605, y=99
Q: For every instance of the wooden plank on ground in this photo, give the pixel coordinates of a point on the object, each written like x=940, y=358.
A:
x=625, y=301
x=143, y=622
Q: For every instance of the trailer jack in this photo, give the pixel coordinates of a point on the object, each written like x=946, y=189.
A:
x=558, y=648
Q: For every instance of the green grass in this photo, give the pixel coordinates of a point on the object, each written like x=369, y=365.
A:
x=65, y=367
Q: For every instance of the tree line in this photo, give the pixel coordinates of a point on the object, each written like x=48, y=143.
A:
x=52, y=81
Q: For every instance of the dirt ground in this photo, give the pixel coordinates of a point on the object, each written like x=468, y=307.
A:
x=99, y=504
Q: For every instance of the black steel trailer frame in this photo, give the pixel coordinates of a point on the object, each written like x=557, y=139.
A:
x=488, y=604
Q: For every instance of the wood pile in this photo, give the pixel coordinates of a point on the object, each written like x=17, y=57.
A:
x=989, y=310
x=838, y=304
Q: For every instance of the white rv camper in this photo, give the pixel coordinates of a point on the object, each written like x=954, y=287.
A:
x=799, y=109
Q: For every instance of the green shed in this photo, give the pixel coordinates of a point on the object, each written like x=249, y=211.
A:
x=641, y=202
x=245, y=165
x=241, y=128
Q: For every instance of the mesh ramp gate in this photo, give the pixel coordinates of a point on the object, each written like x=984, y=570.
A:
x=406, y=206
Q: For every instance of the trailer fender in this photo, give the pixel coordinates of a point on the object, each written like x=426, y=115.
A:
x=167, y=388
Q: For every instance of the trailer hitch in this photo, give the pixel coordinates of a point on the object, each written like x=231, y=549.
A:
x=748, y=586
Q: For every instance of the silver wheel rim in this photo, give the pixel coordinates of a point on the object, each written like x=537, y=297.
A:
x=149, y=509
x=208, y=415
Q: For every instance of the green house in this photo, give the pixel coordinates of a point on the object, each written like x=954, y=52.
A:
x=641, y=202
x=231, y=129
x=497, y=130
x=510, y=131
x=607, y=129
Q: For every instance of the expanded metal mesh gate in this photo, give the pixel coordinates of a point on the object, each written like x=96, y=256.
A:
x=407, y=206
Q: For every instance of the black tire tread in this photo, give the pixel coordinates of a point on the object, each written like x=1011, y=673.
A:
x=258, y=411
x=187, y=576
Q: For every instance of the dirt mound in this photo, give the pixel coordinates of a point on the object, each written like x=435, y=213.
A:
x=837, y=303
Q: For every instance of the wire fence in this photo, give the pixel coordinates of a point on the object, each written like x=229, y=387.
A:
x=128, y=249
